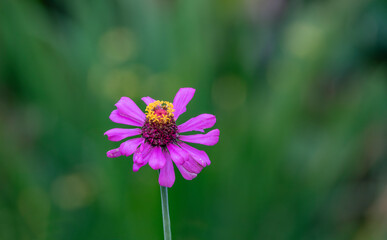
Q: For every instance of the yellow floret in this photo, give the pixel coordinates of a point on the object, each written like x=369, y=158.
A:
x=153, y=117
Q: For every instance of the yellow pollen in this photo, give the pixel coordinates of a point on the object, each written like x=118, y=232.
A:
x=159, y=111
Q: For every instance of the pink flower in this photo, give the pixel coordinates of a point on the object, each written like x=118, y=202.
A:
x=159, y=142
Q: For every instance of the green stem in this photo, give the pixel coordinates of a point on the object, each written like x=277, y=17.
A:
x=165, y=209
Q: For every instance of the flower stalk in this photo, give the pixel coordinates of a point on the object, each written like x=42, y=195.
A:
x=165, y=210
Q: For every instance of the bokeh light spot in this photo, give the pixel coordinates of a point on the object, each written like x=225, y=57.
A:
x=71, y=192
x=121, y=82
x=304, y=39
x=117, y=45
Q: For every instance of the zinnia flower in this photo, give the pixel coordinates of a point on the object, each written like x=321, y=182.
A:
x=159, y=142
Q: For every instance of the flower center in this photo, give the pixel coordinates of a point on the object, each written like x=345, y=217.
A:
x=160, y=127
x=160, y=112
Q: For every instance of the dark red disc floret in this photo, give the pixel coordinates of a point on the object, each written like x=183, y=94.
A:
x=159, y=134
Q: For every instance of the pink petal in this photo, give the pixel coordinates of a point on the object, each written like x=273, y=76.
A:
x=137, y=155
x=137, y=166
x=127, y=148
x=209, y=139
x=182, y=98
x=129, y=109
x=117, y=117
x=141, y=154
x=191, y=165
x=156, y=158
x=117, y=134
x=178, y=155
x=167, y=174
x=198, y=123
x=190, y=169
x=114, y=153
x=147, y=100
x=185, y=173
x=199, y=156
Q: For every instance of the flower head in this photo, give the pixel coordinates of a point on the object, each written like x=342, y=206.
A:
x=160, y=142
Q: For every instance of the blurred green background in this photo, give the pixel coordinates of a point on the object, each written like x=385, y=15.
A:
x=299, y=89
